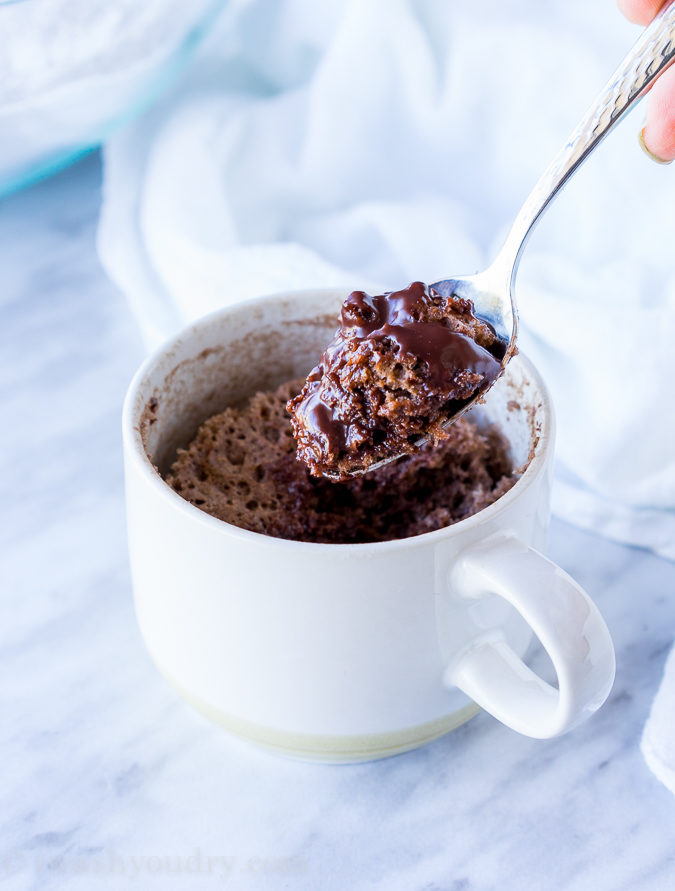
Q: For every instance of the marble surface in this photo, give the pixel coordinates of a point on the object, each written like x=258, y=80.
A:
x=107, y=780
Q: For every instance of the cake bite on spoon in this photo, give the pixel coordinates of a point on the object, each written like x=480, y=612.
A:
x=400, y=365
x=405, y=364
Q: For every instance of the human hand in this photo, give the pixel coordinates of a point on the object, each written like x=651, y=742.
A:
x=657, y=137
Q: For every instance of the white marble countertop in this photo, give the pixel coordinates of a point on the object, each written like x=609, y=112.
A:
x=107, y=779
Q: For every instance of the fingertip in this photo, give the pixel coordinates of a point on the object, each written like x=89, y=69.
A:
x=658, y=134
x=640, y=12
x=650, y=154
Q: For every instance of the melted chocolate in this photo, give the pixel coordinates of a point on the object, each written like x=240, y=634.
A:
x=396, y=315
x=320, y=418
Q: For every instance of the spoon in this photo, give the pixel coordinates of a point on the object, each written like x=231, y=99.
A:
x=492, y=291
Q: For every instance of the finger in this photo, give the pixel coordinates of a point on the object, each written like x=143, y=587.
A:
x=659, y=131
x=640, y=11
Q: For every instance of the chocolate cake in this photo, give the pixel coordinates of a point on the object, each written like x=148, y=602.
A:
x=241, y=467
x=400, y=365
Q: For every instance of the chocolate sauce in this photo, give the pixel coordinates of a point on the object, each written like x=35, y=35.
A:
x=322, y=419
x=396, y=315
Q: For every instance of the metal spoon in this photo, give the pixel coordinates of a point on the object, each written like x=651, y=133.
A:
x=492, y=291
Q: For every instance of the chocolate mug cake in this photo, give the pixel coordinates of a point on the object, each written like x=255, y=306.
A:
x=399, y=363
x=242, y=468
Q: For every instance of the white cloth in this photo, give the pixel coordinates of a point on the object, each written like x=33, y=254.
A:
x=367, y=144
x=658, y=738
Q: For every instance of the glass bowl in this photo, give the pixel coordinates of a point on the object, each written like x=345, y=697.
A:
x=73, y=71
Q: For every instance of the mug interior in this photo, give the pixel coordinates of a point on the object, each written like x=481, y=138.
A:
x=226, y=357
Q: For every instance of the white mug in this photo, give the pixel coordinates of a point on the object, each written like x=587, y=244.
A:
x=347, y=652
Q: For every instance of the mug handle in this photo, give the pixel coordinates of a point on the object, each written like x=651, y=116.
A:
x=563, y=617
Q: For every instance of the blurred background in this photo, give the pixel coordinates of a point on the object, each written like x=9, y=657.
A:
x=242, y=147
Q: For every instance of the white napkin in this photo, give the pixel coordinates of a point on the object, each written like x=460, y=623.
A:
x=658, y=738
x=367, y=144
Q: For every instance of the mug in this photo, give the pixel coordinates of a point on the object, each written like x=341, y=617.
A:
x=348, y=652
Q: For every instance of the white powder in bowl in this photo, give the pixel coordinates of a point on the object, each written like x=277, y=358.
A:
x=70, y=67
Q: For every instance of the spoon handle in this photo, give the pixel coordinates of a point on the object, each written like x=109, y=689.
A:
x=653, y=52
